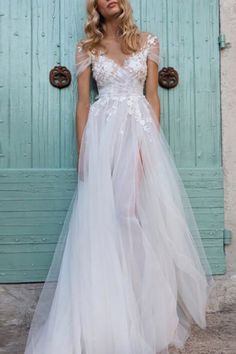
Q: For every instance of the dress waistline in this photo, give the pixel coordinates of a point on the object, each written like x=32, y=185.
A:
x=117, y=95
x=119, y=92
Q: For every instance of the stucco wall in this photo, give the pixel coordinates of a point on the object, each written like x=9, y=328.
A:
x=228, y=103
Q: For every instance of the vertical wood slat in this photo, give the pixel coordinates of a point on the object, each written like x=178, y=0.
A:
x=137, y=13
x=15, y=121
x=207, y=82
x=45, y=99
x=69, y=14
x=154, y=17
x=4, y=82
x=181, y=99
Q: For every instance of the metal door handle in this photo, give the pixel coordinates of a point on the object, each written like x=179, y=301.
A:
x=60, y=76
x=168, y=77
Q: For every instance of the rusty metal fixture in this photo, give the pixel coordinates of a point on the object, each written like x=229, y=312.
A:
x=60, y=76
x=168, y=77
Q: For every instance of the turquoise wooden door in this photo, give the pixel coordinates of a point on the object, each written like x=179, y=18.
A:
x=37, y=146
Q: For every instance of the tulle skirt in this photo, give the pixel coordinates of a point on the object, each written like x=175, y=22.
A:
x=129, y=274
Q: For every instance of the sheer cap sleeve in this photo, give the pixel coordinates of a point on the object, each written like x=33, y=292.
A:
x=82, y=59
x=154, y=48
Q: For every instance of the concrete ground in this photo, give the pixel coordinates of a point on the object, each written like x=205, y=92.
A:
x=218, y=338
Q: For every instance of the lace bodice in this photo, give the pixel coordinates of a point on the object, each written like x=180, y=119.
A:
x=115, y=78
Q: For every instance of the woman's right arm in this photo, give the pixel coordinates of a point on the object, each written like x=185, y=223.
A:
x=83, y=104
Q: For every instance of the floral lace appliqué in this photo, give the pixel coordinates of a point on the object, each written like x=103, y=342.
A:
x=135, y=112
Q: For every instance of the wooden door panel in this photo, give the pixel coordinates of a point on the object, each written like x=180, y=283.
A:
x=37, y=135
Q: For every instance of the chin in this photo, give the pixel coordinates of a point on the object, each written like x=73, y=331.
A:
x=114, y=11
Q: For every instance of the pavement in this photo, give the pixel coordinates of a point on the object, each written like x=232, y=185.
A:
x=218, y=338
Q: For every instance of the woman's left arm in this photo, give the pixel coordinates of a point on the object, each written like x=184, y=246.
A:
x=152, y=88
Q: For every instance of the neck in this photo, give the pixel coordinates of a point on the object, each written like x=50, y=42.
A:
x=112, y=28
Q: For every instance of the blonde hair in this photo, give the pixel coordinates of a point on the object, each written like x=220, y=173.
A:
x=95, y=28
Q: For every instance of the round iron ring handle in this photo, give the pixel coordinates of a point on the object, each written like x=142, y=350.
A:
x=168, y=77
x=60, y=76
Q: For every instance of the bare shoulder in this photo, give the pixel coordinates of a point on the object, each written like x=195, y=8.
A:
x=143, y=38
x=147, y=34
x=144, y=35
x=147, y=37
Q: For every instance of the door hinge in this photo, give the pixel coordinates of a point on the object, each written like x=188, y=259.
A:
x=222, y=42
x=227, y=237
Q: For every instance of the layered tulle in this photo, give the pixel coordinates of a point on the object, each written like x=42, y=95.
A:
x=129, y=274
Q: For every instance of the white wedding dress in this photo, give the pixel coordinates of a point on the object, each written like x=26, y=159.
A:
x=129, y=273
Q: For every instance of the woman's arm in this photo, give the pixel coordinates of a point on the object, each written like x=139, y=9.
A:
x=83, y=104
x=152, y=88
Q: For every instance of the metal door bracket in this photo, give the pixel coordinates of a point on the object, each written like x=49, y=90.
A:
x=222, y=42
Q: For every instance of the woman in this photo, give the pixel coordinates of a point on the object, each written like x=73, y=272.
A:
x=129, y=273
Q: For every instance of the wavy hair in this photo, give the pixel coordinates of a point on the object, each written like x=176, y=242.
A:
x=95, y=28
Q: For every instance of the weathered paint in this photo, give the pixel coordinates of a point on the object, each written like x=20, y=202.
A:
x=38, y=154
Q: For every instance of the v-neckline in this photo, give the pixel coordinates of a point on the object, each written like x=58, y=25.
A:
x=122, y=65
